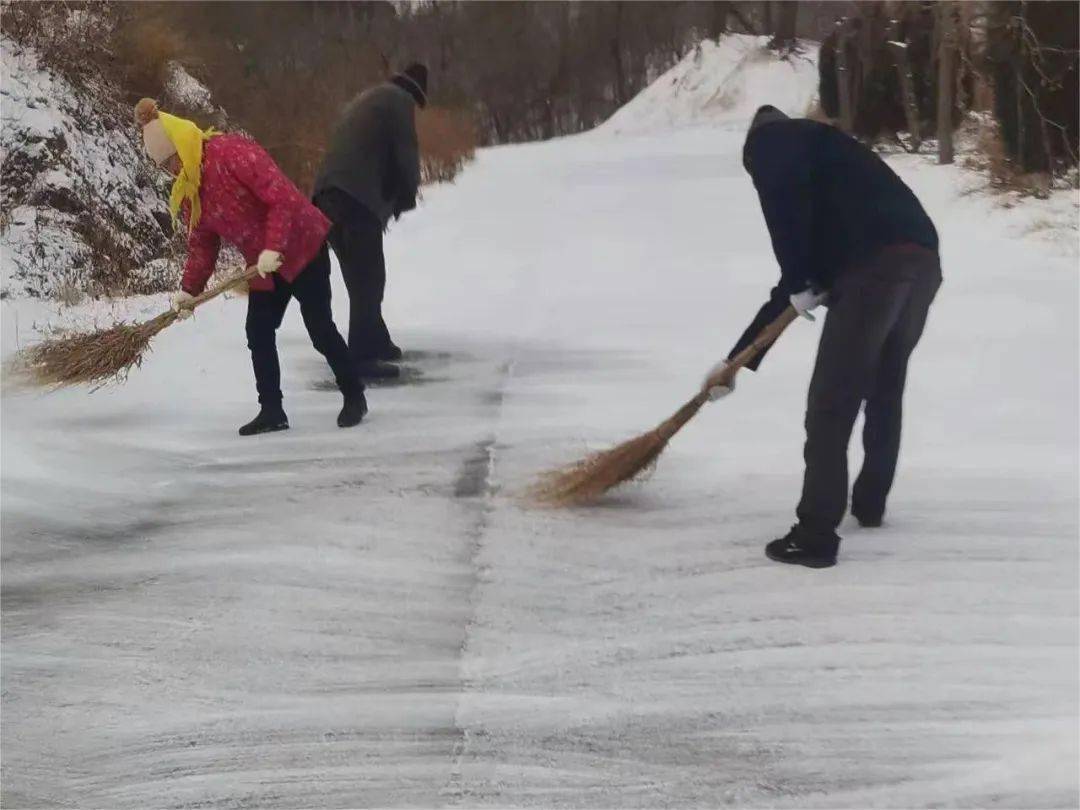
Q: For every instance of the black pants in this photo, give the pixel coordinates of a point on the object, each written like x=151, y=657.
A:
x=265, y=312
x=356, y=237
x=876, y=316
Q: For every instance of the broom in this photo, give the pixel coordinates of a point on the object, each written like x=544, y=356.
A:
x=588, y=479
x=105, y=355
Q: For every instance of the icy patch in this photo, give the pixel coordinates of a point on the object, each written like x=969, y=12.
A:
x=722, y=81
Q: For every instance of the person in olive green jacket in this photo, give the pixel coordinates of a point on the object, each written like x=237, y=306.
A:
x=371, y=172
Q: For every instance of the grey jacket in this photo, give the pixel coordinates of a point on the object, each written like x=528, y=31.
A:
x=373, y=154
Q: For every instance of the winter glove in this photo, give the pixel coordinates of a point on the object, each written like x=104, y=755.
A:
x=269, y=262
x=181, y=304
x=807, y=300
x=720, y=381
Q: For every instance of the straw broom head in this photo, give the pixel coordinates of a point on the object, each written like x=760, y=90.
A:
x=106, y=355
x=586, y=480
x=95, y=358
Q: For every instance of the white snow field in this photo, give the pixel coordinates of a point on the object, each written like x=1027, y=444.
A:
x=328, y=618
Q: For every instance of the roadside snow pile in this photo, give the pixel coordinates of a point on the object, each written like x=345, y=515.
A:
x=725, y=80
x=81, y=211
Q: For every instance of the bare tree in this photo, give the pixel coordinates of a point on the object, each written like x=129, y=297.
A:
x=785, y=16
x=946, y=79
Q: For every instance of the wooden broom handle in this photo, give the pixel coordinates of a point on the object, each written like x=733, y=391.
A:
x=225, y=286
x=765, y=338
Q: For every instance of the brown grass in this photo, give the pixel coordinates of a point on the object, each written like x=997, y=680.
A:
x=143, y=46
x=96, y=358
x=448, y=141
x=586, y=480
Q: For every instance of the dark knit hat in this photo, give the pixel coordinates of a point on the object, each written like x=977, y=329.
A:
x=766, y=115
x=413, y=80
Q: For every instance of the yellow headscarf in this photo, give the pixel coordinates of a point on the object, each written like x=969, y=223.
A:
x=188, y=140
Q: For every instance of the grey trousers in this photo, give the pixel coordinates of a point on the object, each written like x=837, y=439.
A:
x=876, y=316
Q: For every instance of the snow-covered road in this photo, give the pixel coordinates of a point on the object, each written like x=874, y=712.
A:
x=327, y=618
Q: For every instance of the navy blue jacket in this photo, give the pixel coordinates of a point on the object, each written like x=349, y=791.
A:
x=830, y=203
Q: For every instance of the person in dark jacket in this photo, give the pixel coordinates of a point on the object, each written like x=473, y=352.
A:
x=371, y=172
x=848, y=233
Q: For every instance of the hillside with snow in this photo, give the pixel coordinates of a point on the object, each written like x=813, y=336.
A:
x=82, y=211
x=373, y=617
x=722, y=82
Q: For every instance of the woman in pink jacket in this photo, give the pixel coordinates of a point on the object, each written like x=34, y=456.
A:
x=227, y=187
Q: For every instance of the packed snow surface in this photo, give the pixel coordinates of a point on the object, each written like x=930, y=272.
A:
x=328, y=618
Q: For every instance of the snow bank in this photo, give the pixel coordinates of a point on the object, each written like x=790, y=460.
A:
x=722, y=81
x=81, y=207
x=183, y=94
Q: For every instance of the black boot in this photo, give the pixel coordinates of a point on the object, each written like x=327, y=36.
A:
x=377, y=370
x=803, y=546
x=867, y=521
x=391, y=354
x=353, y=410
x=869, y=518
x=269, y=419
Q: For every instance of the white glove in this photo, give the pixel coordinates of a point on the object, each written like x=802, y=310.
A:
x=181, y=304
x=807, y=300
x=269, y=262
x=716, y=392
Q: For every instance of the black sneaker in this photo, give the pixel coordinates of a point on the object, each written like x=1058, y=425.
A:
x=352, y=411
x=266, y=422
x=377, y=370
x=802, y=546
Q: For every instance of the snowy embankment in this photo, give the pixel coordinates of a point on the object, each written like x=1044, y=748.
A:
x=329, y=618
x=721, y=82
x=82, y=210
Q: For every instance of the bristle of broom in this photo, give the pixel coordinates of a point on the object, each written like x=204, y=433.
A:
x=586, y=480
x=95, y=358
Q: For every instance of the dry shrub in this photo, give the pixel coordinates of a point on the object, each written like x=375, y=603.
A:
x=448, y=140
x=990, y=156
x=68, y=36
x=69, y=293
x=126, y=42
x=143, y=45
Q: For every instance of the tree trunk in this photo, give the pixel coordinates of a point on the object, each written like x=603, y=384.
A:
x=946, y=54
x=717, y=19
x=616, y=56
x=907, y=88
x=843, y=77
x=784, y=34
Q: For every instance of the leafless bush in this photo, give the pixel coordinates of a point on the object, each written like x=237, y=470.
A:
x=143, y=45
x=991, y=157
